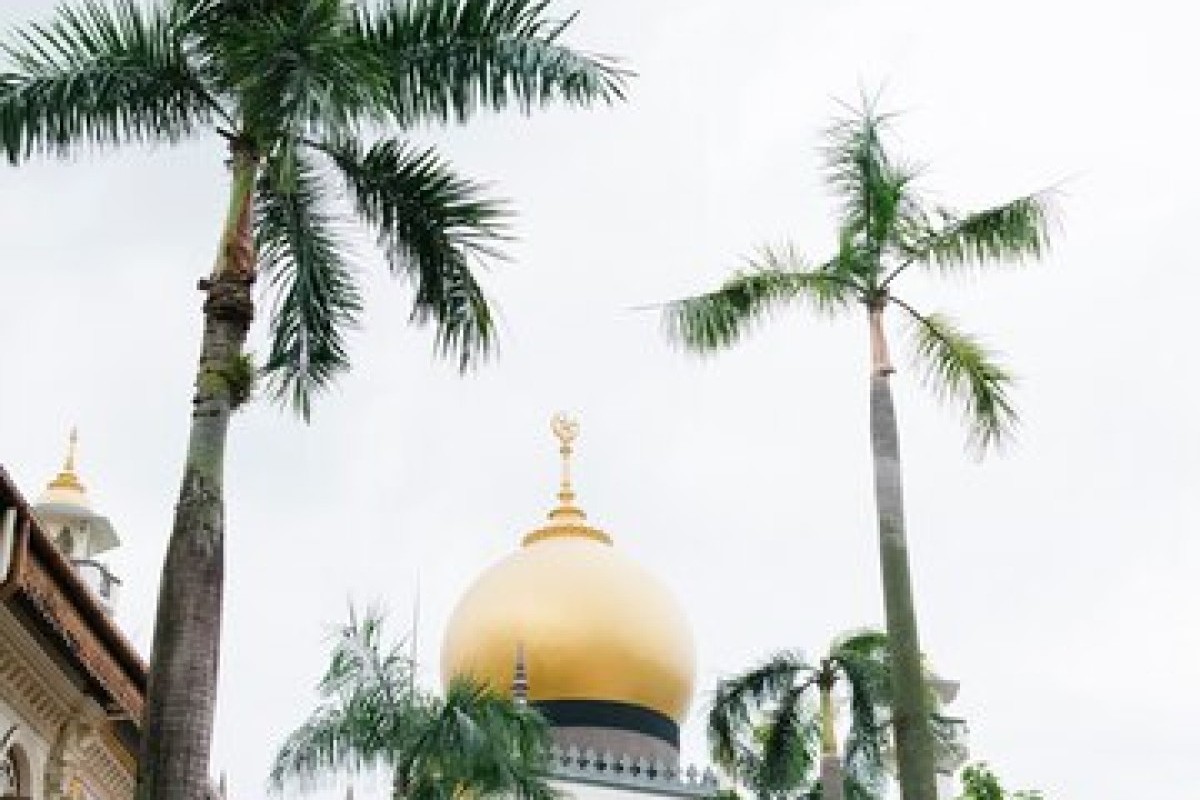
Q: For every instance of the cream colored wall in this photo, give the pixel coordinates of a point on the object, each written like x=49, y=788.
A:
x=33, y=747
x=63, y=733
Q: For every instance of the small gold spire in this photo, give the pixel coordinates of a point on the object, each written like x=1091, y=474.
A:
x=567, y=519
x=66, y=478
x=566, y=430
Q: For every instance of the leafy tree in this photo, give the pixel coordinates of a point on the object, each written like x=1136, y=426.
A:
x=292, y=87
x=980, y=783
x=886, y=229
x=470, y=743
x=770, y=726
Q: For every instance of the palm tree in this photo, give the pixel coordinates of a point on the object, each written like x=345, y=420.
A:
x=885, y=230
x=471, y=743
x=980, y=783
x=291, y=86
x=767, y=724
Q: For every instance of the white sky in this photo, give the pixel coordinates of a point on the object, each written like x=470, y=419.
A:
x=1057, y=582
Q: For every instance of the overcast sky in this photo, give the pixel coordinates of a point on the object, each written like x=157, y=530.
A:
x=1057, y=582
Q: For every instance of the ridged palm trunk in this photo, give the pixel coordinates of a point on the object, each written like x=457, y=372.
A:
x=832, y=787
x=177, y=726
x=910, y=720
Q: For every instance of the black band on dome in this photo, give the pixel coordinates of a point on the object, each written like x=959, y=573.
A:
x=609, y=714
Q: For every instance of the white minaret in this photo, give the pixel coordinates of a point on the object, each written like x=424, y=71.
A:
x=81, y=534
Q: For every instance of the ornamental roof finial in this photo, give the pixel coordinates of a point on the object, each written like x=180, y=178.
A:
x=566, y=429
x=66, y=478
x=566, y=519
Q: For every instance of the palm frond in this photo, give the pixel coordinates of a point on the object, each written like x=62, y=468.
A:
x=448, y=58
x=371, y=714
x=1017, y=231
x=862, y=659
x=99, y=75
x=876, y=191
x=958, y=367
x=790, y=738
x=294, y=68
x=482, y=744
x=328, y=742
x=317, y=295
x=361, y=661
x=433, y=226
x=741, y=704
x=772, y=281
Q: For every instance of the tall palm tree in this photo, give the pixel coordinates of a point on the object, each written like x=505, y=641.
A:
x=885, y=230
x=767, y=725
x=292, y=86
x=472, y=742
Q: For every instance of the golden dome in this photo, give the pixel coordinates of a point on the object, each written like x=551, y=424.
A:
x=590, y=623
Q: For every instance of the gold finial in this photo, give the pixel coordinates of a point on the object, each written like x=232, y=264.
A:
x=567, y=519
x=566, y=430
x=66, y=478
x=72, y=446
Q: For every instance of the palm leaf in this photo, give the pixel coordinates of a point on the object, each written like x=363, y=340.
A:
x=772, y=281
x=294, y=68
x=872, y=188
x=480, y=743
x=790, y=737
x=331, y=740
x=317, y=295
x=1014, y=232
x=958, y=367
x=99, y=75
x=863, y=660
x=433, y=227
x=740, y=715
x=448, y=58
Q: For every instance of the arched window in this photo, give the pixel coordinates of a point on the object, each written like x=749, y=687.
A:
x=66, y=542
x=13, y=774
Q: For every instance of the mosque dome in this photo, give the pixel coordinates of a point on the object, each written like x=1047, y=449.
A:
x=592, y=639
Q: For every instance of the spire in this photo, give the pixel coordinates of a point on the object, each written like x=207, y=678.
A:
x=566, y=519
x=520, y=681
x=66, y=478
x=566, y=430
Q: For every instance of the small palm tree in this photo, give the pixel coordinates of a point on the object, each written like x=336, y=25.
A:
x=886, y=230
x=292, y=86
x=980, y=783
x=767, y=725
x=472, y=742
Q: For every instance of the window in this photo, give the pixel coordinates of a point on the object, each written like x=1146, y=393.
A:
x=10, y=773
x=66, y=542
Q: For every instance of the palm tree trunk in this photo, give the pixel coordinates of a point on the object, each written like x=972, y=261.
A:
x=910, y=716
x=180, y=700
x=831, y=762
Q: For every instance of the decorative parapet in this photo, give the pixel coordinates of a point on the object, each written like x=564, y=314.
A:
x=607, y=769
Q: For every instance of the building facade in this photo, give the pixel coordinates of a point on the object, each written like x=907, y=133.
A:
x=71, y=685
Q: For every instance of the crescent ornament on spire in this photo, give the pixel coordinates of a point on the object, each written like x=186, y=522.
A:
x=565, y=427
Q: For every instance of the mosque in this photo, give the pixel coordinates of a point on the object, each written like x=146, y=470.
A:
x=566, y=623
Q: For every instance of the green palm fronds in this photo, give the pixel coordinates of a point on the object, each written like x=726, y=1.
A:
x=470, y=741
x=885, y=227
x=293, y=86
